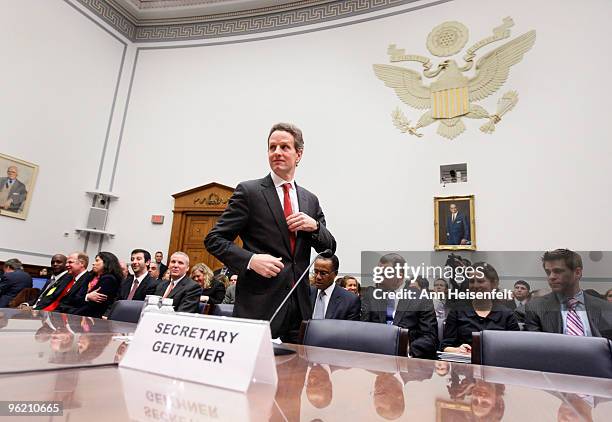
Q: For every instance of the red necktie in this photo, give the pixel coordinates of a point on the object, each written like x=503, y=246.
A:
x=288, y=211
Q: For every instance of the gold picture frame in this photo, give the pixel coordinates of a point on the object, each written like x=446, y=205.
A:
x=458, y=233
x=16, y=195
x=450, y=410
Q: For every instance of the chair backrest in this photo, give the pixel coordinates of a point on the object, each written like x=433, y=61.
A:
x=223, y=309
x=126, y=310
x=546, y=352
x=357, y=336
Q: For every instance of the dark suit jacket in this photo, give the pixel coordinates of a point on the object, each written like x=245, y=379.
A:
x=342, y=304
x=544, y=314
x=215, y=293
x=108, y=284
x=75, y=298
x=17, y=194
x=255, y=214
x=48, y=296
x=162, y=270
x=457, y=230
x=11, y=284
x=417, y=315
x=146, y=287
x=185, y=295
x=511, y=304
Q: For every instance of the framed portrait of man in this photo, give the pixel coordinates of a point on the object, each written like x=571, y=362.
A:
x=454, y=223
x=17, y=179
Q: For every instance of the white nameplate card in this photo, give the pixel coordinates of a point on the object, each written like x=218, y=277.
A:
x=219, y=351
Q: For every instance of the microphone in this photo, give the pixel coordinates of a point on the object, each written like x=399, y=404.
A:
x=277, y=348
x=327, y=253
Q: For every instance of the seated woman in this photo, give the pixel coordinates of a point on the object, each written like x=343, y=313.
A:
x=351, y=284
x=213, y=291
x=476, y=315
x=103, y=288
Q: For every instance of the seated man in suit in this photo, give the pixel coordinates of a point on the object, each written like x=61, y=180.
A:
x=13, y=281
x=141, y=284
x=380, y=304
x=567, y=310
x=54, y=286
x=521, y=297
x=329, y=300
x=184, y=292
x=72, y=295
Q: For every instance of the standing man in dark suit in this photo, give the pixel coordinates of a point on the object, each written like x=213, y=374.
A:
x=13, y=281
x=13, y=193
x=279, y=223
x=330, y=301
x=140, y=284
x=389, y=303
x=159, y=257
x=184, y=292
x=567, y=310
x=457, y=227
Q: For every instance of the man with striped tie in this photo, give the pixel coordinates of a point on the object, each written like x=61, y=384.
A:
x=567, y=309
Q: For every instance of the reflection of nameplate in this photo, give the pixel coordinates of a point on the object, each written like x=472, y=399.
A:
x=219, y=351
x=152, y=397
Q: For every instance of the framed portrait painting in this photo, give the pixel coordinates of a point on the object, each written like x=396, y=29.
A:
x=454, y=223
x=17, y=179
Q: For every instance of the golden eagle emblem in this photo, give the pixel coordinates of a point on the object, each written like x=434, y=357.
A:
x=452, y=95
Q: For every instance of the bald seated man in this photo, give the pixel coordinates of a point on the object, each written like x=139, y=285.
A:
x=184, y=292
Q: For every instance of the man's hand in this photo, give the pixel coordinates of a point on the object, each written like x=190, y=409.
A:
x=300, y=221
x=464, y=241
x=96, y=297
x=266, y=265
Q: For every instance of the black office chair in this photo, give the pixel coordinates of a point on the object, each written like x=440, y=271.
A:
x=222, y=309
x=357, y=336
x=126, y=310
x=546, y=352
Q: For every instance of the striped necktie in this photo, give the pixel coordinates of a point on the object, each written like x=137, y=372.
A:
x=573, y=325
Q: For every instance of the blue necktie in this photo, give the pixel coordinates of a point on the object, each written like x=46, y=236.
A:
x=390, y=309
x=319, y=312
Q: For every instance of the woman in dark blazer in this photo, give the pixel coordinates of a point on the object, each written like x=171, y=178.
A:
x=476, y=315
x=103, y=288
x=213, y=291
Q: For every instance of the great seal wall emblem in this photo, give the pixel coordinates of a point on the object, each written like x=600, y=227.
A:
x=453, y=95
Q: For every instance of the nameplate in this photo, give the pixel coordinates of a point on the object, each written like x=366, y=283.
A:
x=218, y=351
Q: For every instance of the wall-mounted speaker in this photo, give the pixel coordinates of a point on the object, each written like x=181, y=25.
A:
x=97, y=218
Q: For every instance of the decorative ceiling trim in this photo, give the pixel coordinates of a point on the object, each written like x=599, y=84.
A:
x=291, y=15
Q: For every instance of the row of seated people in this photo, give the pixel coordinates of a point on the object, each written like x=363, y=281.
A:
x=565, y=310
x=75, y=290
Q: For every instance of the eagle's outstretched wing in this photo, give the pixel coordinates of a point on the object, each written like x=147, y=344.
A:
x=406, y=83
x=492, y=69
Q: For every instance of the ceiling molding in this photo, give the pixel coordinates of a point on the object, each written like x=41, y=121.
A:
x=289, y=14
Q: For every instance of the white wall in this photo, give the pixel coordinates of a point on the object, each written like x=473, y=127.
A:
x=540, y=181
x=201, y=114
x=59, y=72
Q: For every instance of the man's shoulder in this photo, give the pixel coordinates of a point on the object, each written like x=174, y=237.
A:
x=345, y=294
x=538, y=302
x=595, y=301
x=255, y=183
x=189, y=282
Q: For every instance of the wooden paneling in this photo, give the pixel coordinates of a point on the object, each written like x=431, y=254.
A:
x=195, y=213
